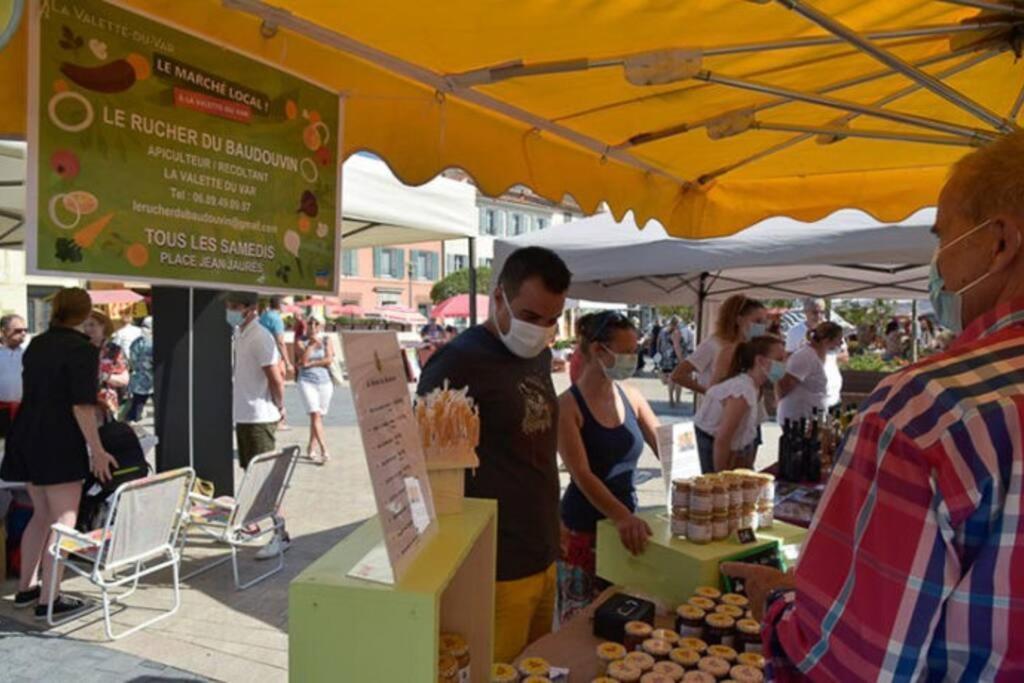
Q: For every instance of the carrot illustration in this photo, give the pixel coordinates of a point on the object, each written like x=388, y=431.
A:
x=87, y=235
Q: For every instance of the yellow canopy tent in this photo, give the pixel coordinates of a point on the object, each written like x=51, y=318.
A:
x=707, y=115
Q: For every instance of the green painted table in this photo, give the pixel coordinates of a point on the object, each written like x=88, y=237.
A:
x=346, y=629
x=671, y=568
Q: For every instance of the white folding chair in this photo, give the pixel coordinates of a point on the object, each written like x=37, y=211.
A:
x=140, y=537
x=259, y=500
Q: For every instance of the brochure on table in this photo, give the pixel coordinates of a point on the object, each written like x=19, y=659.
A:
x=677, y=450
x=394, y=453
x=157, y=156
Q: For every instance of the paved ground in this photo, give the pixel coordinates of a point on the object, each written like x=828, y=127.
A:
x=223, y=634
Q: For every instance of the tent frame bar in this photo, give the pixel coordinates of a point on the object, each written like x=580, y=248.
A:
x=679, y=129
x=848, y=106
x=888, y=99
x=362, y=229
x=838, y=133
x=1015, y=111
x=518, y=69
x=984, y=5
x=282, y=18
x=898, y=64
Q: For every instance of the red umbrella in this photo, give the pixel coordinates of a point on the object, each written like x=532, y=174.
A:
x=458, y=307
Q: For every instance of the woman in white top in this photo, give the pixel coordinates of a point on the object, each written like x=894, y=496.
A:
x=804, y=388
x=739, y=319
x=729, y=417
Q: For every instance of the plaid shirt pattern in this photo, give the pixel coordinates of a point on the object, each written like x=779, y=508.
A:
x=914, y=565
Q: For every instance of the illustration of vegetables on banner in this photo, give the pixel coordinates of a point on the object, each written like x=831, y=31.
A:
x=161, y=157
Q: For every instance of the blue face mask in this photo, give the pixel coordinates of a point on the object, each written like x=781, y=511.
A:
x=234, y=318
x=949, y=305
x=776, y=371
x=756, y=330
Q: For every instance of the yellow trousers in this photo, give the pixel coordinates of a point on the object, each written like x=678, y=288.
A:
x=524, y=610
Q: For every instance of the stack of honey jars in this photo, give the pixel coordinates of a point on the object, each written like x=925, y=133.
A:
x=712, y=507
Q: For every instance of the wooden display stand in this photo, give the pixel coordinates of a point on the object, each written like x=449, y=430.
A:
x=671, y=568
x=347, y=629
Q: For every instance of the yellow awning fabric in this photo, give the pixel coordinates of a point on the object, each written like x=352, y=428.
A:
x=707, y=115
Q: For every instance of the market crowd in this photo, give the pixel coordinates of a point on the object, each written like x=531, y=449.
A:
x=909, y=570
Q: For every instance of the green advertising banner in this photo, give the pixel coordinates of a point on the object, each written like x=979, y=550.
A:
x=157, y=156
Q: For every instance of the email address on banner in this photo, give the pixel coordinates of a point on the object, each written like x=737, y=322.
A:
x=202, y=217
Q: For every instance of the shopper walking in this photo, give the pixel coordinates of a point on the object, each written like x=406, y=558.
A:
x=258, y=391
x=506, y=366
x=729, y=418
x=670, y=349
x=12, y=349
x=313, y=357
x=739, y=319
x=54, y=443
x=912, y=568
x=140, y=358
x=602, y=427
x=113, y=372
x=797, y=337
x=803, y=390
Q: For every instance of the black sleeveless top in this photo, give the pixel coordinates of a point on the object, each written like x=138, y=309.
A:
x=612, y=455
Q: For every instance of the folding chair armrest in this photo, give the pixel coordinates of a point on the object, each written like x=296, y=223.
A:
x=206, y=500
x=65, y=530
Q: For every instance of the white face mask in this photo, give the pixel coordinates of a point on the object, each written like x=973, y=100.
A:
x=524, y=339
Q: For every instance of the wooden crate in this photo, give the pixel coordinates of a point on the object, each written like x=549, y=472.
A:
x=346, y=629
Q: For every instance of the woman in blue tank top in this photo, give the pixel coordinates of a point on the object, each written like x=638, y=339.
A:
x=602, y=428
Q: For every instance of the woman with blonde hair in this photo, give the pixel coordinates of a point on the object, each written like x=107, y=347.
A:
x=54, y=442
x=739, y=319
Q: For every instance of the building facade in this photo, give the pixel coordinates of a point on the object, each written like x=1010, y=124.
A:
x=403, y=275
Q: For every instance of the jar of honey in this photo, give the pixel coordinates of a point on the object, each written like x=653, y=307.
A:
x=709, y=592
x=701, y=498
x=447, y=669
x=719, y=629
x=719, y=496
x=698, y=528
x=636, y=632
x=456, y=646
x=720, y=526
x=624, y=672
x=715, y=666
x=690, y=621
x=504, y=673
x=694, y=644
x=732, y=610
x=706, y=604
x=534, y=666
x=610, y=652
x=666, y=634
x=742, y=673
x=748, y=636
x=723, y=651
x=640, y=660
x=754, y=659
x=681, y=493
x=670, y=669
x=684, y=657
x=657, y=648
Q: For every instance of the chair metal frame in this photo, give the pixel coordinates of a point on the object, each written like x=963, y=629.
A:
x=107, y=575
x=232, y=533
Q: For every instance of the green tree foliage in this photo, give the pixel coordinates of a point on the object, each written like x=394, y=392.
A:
x=457, y=283
x=685, y=313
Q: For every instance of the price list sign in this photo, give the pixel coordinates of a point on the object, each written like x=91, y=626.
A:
x=391, y=442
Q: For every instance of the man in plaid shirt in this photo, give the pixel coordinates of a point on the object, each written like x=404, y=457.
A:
x=914, y=565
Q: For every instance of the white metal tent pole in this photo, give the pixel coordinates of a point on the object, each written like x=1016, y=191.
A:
x=191, y=377
x=472, y=282
x=894, y=62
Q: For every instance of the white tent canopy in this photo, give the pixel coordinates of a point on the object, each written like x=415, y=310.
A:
x=379, y=210
x=12, y=193
x=847, y=255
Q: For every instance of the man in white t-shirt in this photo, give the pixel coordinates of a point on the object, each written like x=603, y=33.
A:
x=12, y=347
x=258, y=391
x=127, y=334
x=814, y=312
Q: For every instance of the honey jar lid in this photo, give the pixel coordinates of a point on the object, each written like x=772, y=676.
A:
x=638, y=628
x=447, y=666
x=707, y=592
x=743, y=673
x=535, y=666
x=719, y=620
x=640, y=660
x=735, y=599
x=653, y=677
x=453, y=644
x=716, y=666
x=669, y=669
x=657, y=647
x=666, y=634
x=706, y=604
x=689, y=611
x=724, y=651
x=754, y=659
x=623, y=670
x=749, y=626
x=698, y=677
x=685, y=656
x=504, y=673
x=610, y=651
x=694, y=644
x=732, y=610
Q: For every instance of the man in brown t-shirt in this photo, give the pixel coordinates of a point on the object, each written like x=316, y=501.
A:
x=506, y=365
